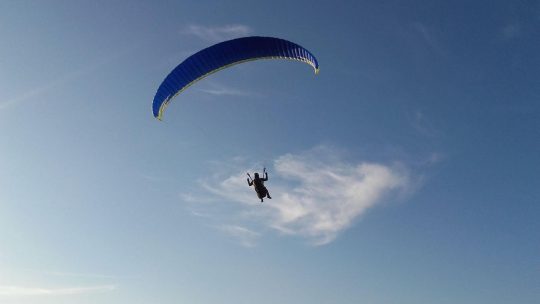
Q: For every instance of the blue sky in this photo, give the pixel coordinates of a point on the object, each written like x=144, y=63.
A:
x=405, y=172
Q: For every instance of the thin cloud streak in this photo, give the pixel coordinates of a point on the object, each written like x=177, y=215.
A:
x=43, y=89
x=225, y=92
x=315, y=194
x=429, y=38
x=13, y=291
x=216, y=34
x=245, y=236
x=510, y=31
x=58, y=82
x=88, y=275
x=423, y=124
x=217, y=89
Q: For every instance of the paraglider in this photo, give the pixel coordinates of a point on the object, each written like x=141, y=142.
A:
x=258, y=184
x=224, y=55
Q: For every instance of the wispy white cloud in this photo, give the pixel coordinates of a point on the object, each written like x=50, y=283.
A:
x=39, y=90
x=218, y=33
x=423, y=124
x=87, y=275
x=225, y=91
x=316, y=195
x=435, y=158
x=11, y=291
x=245, y=236
x=55, y=83
x=511, y=31
x=214, y=88
x=429, y=37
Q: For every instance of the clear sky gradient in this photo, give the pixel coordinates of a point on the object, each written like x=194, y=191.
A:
x=407, y=171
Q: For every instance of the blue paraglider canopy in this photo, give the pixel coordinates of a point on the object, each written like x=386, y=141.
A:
x=223, y=55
